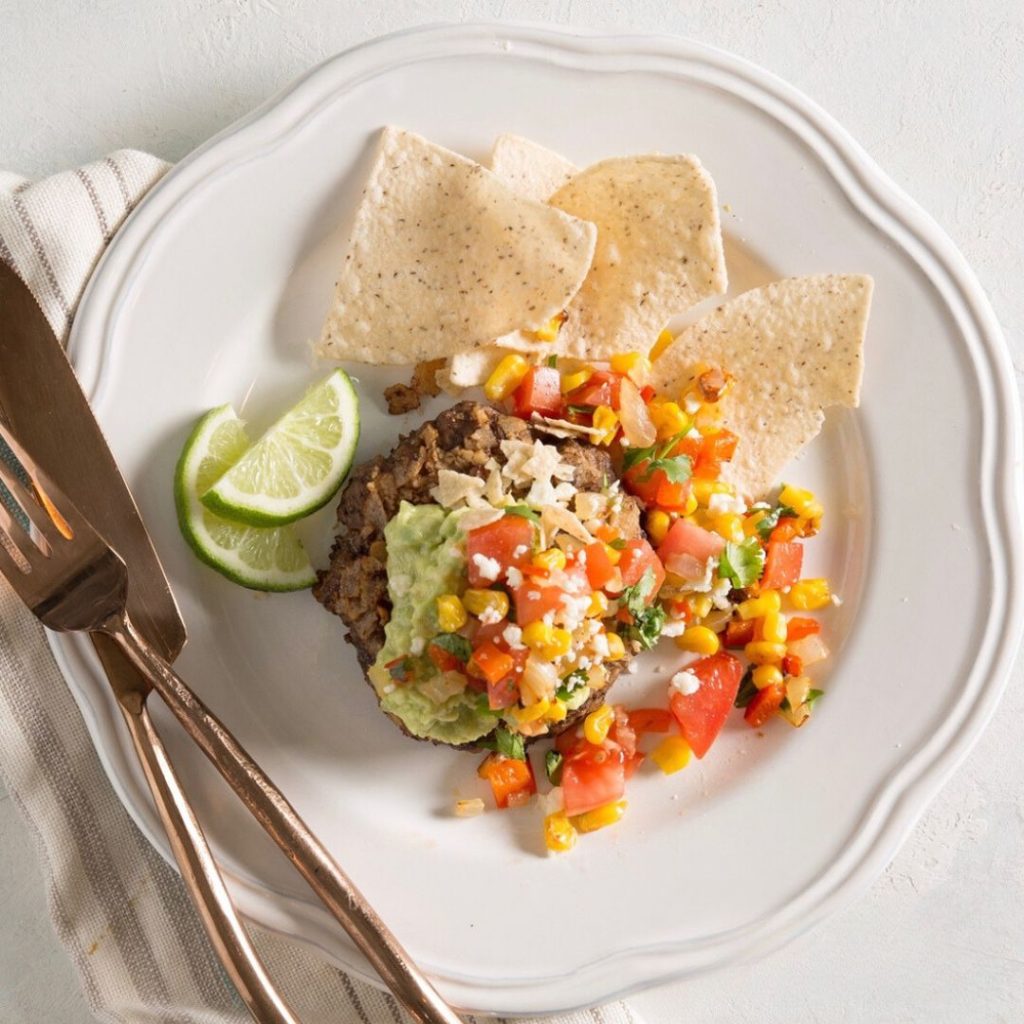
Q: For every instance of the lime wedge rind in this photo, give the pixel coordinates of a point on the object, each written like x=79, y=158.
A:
x=298, y=465
x=268, y=559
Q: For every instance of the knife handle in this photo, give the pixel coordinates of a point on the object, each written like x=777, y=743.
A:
x=281, y=821
x=200, y=873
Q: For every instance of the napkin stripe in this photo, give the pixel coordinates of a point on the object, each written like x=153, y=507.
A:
x=121, y=183
x=37, y=245
x=90, y=188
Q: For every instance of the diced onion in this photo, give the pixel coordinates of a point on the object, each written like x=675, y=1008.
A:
x=538, y=681
x=809, y=649
x=637, y=425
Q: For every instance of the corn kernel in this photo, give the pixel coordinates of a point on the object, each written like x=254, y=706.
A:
x=809, y=595
x=597, y=724
x=767, y=602
x=559, y=833
x=572, y=381
x=607, y=421
x=750, y=523
x=658, y=523
x=560, y=645
x=598, y=605
x=762, y=652
x=550, y=561
x=537, y=635
x=699, y=640
x=550, y=330
x=557, y=712
x=699, y=605
x=691, y=505
x=702, y=489
x=613, y=554
x=533, y=713
x=730, y=526
x=634, y=365
x=600, y=817
x=616, y=648
x=668, y=419
x=672, y=754
x=477, y=602
x=658, y=348
x=767, y=675
x=774, y=628
x=469, y=808
x=802, y=502
x=451, y=613
x=507, y=376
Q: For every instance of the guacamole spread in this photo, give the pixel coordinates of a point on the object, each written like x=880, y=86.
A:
x=426, y=558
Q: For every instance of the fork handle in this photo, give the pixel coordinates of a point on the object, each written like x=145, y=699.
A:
x=282, y=823
x=200, y=873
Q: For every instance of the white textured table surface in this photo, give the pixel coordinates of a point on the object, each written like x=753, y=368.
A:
x=934, y=89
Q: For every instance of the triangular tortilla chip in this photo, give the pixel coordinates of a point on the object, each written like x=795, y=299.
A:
x=794, y=348
x=529, y=168
x=659, y=250
x=444, y=257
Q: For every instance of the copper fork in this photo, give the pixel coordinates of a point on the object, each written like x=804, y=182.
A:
x=73, y=581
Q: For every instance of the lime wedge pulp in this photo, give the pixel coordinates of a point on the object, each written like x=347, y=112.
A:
x=258, y=558
x=298, y=464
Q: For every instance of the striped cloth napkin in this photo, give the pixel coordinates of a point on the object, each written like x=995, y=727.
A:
x=121, y=913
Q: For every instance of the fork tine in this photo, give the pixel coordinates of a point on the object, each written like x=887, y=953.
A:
x=10, y=548
x=52, y=514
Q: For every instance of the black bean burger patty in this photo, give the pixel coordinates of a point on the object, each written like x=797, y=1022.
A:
x=355, y=585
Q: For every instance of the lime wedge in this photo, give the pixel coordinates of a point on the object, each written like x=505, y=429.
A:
x=258, y=558
x=298, y=464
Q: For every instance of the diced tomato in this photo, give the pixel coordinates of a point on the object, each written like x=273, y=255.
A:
x=534, y=600
x=630, y=765
x=637, y=557
x=655, y=488
x=508, y=776
x=444, y=660
x=645, y=720
x=504, y=693
x=606, y=532
x=647, y=392
x=492, y=663
x=600, y=567
x=702, y=714
x=792, y=665
x=401, y=669
x=622, y=732
x=800, y=626
x=786, y=529
x=509, y=541
x=567, y=740
x=601, y=389
x=687, y=547
x=592, y=777
x=782, y=564
x=540, y=391
x=764, y=704
x=716, y=447
x=739, y=633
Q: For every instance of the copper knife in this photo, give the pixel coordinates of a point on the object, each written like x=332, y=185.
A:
x=42, y=403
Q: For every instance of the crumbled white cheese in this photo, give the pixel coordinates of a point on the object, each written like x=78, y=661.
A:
x=836, y=600
x=692, y=404
x=590, y=505
x=674, y=627
x=538, y=465
x=721, y=503
x=685, y=682
x=694, y=434
x=400, y=584
x=489, y=568
x=514, y=576
x=601, y=648
x=490, y=616
x=388, y=688
x=720, y=593
x=576, y=609
x=417, y=644
x=513, y=636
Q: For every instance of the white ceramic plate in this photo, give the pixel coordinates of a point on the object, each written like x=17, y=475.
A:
x=211, y=293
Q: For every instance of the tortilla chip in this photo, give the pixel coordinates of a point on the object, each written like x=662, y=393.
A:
x=470, y=369
x=528, y=168
x=659, y=250
x=444, y=257
x=794, y=348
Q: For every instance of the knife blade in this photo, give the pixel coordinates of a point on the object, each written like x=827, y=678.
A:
x=42, y=402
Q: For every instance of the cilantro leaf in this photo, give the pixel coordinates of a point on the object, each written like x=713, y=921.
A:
x=677, y=468
x=619, y=544
x=553, y=767
x=573, y=681
x=812, y=696
x=455, y=644
x=771, y=520
x=635, y=597
x=553, y=362
x=742, y=564
x=523, y=511
x=747, y=689
x=646, y=627
x=506, y=743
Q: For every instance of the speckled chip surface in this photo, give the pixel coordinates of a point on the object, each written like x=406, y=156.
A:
x=529, y=168
x=659, y=250
x=445, y=257
x=794, y=348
